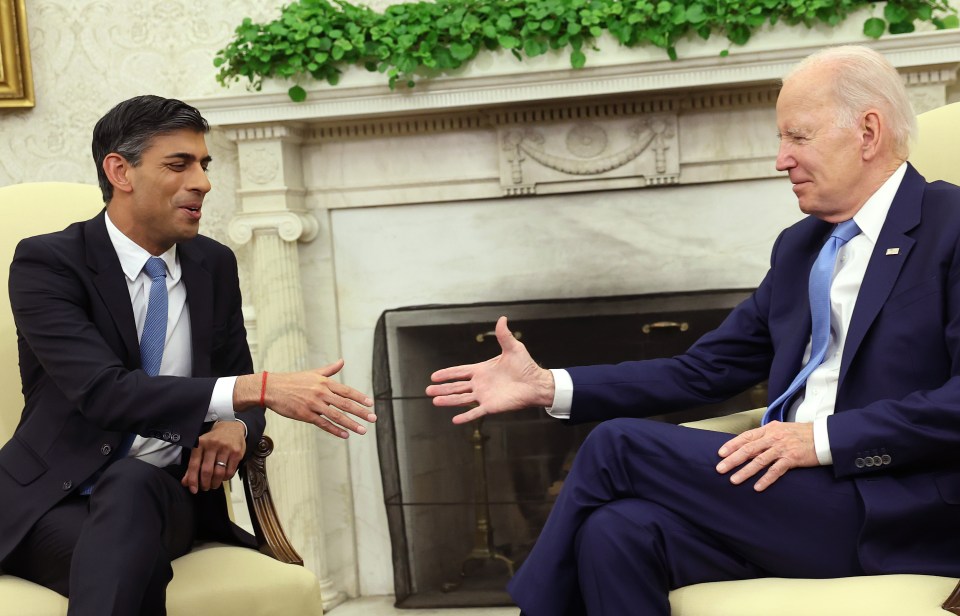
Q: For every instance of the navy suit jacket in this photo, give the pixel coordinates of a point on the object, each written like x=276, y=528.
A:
x=899, y=391
x=80, y=367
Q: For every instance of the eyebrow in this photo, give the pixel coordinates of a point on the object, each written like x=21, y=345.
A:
x=187, y=157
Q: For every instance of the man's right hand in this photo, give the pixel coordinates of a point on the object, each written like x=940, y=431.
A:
x=509, y=382
x=310, y=396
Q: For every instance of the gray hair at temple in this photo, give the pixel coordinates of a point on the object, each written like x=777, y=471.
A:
x=864, y=79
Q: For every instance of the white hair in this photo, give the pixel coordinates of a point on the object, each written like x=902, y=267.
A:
x=864, y=79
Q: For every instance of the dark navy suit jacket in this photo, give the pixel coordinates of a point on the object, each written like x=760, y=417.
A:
x=80, y=368
x=899, y=391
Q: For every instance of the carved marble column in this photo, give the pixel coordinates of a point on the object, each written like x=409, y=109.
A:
x=273, y=220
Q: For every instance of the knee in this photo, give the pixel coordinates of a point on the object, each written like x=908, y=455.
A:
x=630, y=525
x=130, y=479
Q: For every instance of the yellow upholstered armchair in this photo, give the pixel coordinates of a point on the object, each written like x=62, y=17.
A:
x=935, y=156
x=214, y=579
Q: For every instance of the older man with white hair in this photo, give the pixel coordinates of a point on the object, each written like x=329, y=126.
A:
x=856, y=328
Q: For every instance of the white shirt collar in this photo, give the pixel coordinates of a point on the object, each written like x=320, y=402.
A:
x=872, y=215
x=133, y=257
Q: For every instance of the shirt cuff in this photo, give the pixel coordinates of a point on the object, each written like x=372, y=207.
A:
x=221, y=402
x=821, y=441
x=562, y=395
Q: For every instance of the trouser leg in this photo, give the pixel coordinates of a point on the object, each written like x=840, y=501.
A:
x=805, y=525
x=140, y=519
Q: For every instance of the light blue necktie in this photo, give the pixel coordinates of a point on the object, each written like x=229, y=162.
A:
x=821, y=278
x=151, y=347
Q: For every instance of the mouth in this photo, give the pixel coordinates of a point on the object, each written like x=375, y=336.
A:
x=192, y=211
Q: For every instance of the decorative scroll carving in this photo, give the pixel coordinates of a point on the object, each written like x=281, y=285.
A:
x=260, y=166
x=290, y=226
x=589, y=142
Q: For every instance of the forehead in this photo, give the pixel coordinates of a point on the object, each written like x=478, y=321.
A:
x=806, y=99
x=184, y=142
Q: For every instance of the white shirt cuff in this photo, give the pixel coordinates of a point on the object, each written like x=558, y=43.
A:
x=821, y=441
x=562, y=395
x=221, y=402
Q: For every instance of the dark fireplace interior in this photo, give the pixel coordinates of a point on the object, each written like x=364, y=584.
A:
x=466, y=503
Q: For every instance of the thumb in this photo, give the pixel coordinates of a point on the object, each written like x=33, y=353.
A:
x=331, y=369
x=504, y=335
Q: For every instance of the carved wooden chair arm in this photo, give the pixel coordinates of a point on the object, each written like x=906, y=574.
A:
x=952, y=604
x=271, y=539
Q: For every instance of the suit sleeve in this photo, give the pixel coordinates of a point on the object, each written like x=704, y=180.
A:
x=721, y=364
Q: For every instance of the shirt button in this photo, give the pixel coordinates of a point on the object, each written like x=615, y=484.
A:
x=106, y=449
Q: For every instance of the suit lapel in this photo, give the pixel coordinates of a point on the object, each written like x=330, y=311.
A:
x=110, y=282
x=884, y=269
x=199, y=287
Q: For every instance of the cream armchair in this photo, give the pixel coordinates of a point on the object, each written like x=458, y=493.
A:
x=214, y=579
x=935, y=156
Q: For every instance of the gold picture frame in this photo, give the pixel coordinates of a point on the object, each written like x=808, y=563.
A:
x=16, y=78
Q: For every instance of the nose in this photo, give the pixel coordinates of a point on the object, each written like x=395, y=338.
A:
x=199, y=181
x=785, y=160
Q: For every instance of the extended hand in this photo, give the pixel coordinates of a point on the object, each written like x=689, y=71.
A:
x=313, y=397
x=777, y=446
x=224, y=443
x=508, y=382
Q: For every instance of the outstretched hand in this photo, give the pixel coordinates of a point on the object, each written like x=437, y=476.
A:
x=510, y=381
x=314, y=397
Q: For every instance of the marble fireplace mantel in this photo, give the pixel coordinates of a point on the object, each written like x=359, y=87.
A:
x=505, y=181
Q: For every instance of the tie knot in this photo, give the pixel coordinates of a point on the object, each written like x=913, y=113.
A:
x=155, y=268
x=846, y=231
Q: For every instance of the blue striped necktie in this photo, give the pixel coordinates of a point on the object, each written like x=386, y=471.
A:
x=821, y=278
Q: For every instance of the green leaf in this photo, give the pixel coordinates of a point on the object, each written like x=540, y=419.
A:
x=695, y=14
x=664, y=7
x=297, y=94
x=902, y=27
x=895, y=13
x=874, y=27
x=951, y=22
x=578, y=59
x=505, y=23
x=508, y=42
x=533, y=48
x=461, y=51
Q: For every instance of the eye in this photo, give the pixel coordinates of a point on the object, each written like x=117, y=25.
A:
x=176, y=166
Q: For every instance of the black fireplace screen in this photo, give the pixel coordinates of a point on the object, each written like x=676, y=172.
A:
x=466, y=503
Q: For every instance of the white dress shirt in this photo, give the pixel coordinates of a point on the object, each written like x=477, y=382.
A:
x=816, y=402
x=178, y=347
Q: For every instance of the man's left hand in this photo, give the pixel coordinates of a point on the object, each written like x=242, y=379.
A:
x=777, y=447
x=216, y=457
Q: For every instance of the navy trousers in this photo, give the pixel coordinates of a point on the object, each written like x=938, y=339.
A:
x=644, y=511
x=110, y=552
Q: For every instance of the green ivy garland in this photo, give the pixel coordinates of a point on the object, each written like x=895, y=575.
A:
x=407, y=41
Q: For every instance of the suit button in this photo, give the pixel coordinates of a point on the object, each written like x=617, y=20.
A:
x=166, y=436
x=106, y=449
x=877, y=461
x=868, y=461
x=67, y=484
x=886, y=459
x=859, y=463
x=175, y=437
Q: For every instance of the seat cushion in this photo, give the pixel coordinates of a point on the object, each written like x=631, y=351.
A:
x=881, y=595
x=213, y=580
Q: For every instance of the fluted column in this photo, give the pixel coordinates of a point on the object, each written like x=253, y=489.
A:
x=273, y=221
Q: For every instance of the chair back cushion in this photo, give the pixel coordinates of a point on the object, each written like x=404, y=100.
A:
x=26, y=210
x=935, y=152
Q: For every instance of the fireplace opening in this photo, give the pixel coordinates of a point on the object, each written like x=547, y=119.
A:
x=465, y=503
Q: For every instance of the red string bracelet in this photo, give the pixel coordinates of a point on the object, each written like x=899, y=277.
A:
x=263, y=390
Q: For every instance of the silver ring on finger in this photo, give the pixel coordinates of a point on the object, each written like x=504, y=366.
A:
x=221, y=463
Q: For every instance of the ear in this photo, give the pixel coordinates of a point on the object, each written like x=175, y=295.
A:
x=117, y=170
x=871, y=134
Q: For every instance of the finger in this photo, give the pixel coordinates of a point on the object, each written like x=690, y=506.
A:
x=474, y=413
x=445, y=389
x=190, y=477
x=776, y=471
x=325, y=425
x=207, y=469
x=331, y=369
x=345, y=391
x=455, y=400
x=349, y=406
x=454, y=373
x=335, y=416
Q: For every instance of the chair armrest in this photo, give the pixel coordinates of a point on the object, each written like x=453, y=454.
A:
x=271, y=540
x=952, y=604
x=734, y=424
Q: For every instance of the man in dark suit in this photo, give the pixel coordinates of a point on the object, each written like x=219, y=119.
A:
x=140, y=400
x=855, y=469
